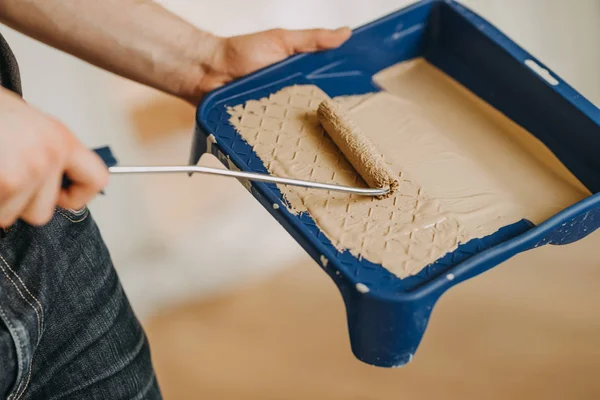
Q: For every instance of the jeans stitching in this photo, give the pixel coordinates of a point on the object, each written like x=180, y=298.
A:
x=38, y=333
x=75, y=221
x=40, y=324
x=43, y=318
x=78, y=213
x=18, y=346
x=24, y=298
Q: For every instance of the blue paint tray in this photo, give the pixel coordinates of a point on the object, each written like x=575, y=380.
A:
x=387, y=323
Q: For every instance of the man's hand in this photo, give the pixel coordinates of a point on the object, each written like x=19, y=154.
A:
x=35, y=152
x=238, y=56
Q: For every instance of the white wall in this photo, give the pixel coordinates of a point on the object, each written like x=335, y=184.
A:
x=172, y=237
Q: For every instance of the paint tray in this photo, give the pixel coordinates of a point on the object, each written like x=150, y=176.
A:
x=387, y=323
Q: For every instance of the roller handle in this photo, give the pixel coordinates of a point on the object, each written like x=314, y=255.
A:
x=110, y=162
x=105, y=154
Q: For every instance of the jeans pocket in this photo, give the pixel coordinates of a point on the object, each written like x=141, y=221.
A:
x=11, y=373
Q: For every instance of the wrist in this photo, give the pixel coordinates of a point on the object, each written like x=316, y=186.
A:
x=202, y=54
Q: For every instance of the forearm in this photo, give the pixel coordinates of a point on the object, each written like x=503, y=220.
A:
x=137, y=39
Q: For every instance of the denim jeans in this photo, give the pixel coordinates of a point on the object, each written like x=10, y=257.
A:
x=67, y=330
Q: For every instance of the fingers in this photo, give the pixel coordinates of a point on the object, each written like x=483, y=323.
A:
x=34, y=201
x=35, y=151
x=11, y=207
x=309, y=40
x=88, y=175
x=40, y=209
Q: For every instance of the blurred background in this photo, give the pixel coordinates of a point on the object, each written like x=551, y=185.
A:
x=233, y=306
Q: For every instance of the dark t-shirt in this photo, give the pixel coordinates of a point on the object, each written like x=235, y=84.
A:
x=9, y=70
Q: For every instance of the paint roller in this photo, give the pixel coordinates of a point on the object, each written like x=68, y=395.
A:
x=356, y=147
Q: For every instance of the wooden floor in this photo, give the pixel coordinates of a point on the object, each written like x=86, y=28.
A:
x=520, y=331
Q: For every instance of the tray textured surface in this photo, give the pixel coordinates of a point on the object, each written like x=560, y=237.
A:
x=292, y=110
x=279, y=128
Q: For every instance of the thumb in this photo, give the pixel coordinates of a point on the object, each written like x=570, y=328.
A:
x=309, y=40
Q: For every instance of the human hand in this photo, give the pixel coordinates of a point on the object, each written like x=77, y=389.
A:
x=237, y=56
x=35, y=152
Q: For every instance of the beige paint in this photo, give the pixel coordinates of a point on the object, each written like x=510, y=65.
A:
x=358, y=149
x=464, y=169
